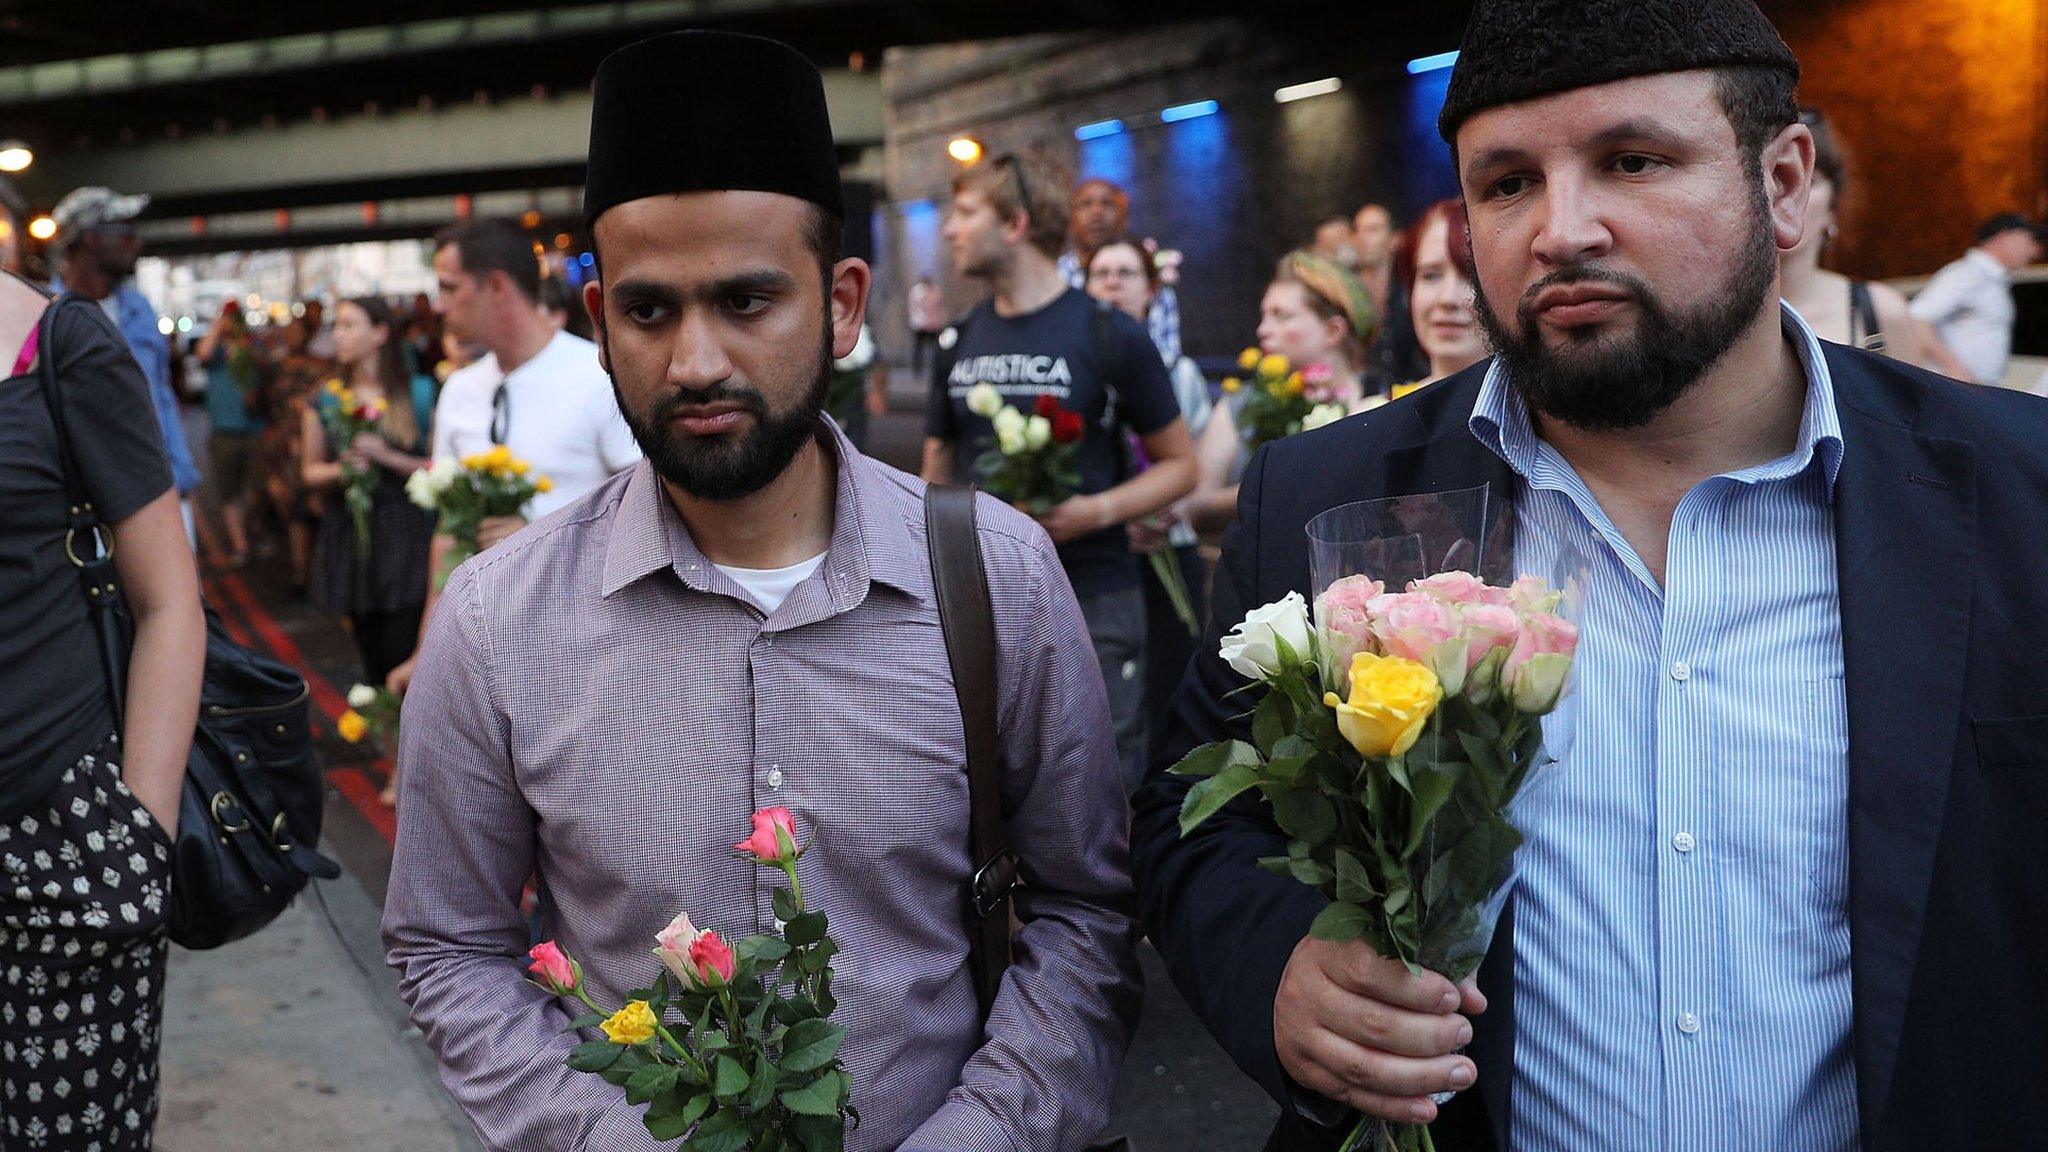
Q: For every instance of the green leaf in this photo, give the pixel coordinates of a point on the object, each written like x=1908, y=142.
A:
x=1205, y=798
x=649, y=1082
x=1354, y=884
x=730, y=1079
x=1279, y=865
x=1269, y=722
x=1313, y=873
x=630, y=1061
x=594, y=1055
x=1303, y=814
x=785, y=905
x=725, y=1131
x=665, y=1128
x=766, y=1079
x=810, y=1045
x=1431, y=787
x=804, y=930
x=1210, y=759
x=1340, y=922
x=765, y=949
x=817, y=959
x=818, y=1098
x=712, y=1040
x=818, y=1133
x=590, y=1021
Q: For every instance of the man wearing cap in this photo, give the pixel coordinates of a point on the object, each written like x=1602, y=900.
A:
x=746, y=619
x=96, y=234
x=1782, y=891
x=1969, y=302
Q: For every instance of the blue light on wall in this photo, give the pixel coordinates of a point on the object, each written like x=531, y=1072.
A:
x=1423, y=64
x=1098, y=130
x=1181, y=112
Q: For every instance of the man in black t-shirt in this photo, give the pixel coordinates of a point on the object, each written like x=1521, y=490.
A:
x=1037, y=337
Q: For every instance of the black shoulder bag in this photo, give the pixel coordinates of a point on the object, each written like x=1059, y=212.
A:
x=252, y=801
x=967, y=617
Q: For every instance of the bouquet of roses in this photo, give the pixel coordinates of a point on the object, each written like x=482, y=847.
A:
x=1283, y=401
x=1391, y=738
x=463, y=492
x=1033, y=462
x=346, y=419
x=732, y=1046
x=371, y=712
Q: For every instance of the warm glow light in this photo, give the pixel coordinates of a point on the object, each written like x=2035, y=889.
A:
x=42, y=227
x=965, y=149
x=15, y=156
x=531, y=219
x=253, y=302
x=1295, y=92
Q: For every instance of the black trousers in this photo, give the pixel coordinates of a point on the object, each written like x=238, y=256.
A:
x=84, y=890
x=384, y=640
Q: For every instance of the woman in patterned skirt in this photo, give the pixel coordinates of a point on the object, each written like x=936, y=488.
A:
x=86, y=816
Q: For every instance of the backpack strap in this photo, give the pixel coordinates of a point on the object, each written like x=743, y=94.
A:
x=967, y=618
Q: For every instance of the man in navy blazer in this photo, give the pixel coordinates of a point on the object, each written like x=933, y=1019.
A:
x=1850, y=955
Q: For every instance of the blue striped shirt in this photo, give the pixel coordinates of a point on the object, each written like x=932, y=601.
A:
x=1681, y=919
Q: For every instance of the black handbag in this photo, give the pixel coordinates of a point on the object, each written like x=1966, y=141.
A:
x=968, y=620
x=251, y=805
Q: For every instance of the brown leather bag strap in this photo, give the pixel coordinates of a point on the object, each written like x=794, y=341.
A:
x=968, y=620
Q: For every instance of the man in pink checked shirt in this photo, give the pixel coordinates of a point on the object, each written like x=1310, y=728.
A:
x=747, y=619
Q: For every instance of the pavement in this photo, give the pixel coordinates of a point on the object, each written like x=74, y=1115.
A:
x=294, y=1040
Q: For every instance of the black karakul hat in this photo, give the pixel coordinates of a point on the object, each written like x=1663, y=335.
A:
x=703, y=111
x=1517, y=50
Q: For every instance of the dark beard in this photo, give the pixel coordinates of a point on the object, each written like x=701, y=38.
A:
x=1623, y=380
x=725, y=468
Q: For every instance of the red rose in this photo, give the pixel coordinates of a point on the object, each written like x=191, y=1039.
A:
x=1066, y=426
x=1048, y=407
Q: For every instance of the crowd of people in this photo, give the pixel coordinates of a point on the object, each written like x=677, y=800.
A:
x=718, y=604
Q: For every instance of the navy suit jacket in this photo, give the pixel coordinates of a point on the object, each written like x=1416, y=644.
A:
x=1941, y=521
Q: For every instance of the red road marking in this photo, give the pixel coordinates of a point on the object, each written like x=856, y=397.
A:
x=352, y=783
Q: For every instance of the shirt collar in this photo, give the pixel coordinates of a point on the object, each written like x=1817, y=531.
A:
x=1988, y=263
x=871, y=540
x=1500, y=420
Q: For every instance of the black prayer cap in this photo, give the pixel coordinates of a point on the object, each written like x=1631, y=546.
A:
x=702, y=111
x=1517, y=50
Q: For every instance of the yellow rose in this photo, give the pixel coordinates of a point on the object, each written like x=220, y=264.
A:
x=1391, y=699
x=1401, y=390
x=519, y=467
x=1293, y=385
x=347, y=398
x=1248, y=359
x=500, y=456
x=543, y=484
x=1273, y=367
x=633, y=1024
x=334, y=387
x=1231, y=384
x=351, y=726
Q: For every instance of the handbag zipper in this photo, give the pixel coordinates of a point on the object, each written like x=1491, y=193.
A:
x=217, y=710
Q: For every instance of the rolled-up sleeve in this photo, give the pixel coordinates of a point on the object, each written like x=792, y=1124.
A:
x=1046, y=1072
x=452, y=926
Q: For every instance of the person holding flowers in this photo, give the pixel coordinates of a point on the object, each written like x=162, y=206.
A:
x=746, y=622
x=370, y=558
x=1316, y=320
x=1037, y=337
x=1781, y=888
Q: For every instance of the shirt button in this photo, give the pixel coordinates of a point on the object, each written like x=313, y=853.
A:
x=1683, y=841
x=775, y=777
x=1688, y=1023
x=1681, y=671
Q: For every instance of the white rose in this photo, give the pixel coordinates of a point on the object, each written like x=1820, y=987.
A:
x=362, y=696
x=1009, y=424
x=1037, y=433
x=1253, y=648
x=984, y=401
x=1320, y=415
x=419, y=488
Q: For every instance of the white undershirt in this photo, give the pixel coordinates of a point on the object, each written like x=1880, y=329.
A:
x=771, y=586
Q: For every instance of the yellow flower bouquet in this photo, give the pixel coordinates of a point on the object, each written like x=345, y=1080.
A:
x=462, y=493
x=346, y=417
x=1392, y=732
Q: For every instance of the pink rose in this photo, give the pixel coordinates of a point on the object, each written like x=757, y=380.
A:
x=774, y=838
x=1459, y=588
x=711, y=959
x=1410, y=624
x=672, y=947
x=1531, y=594
x=1346, y=625
x=1543, y=634
x=1487, y=627
x=552, y=969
